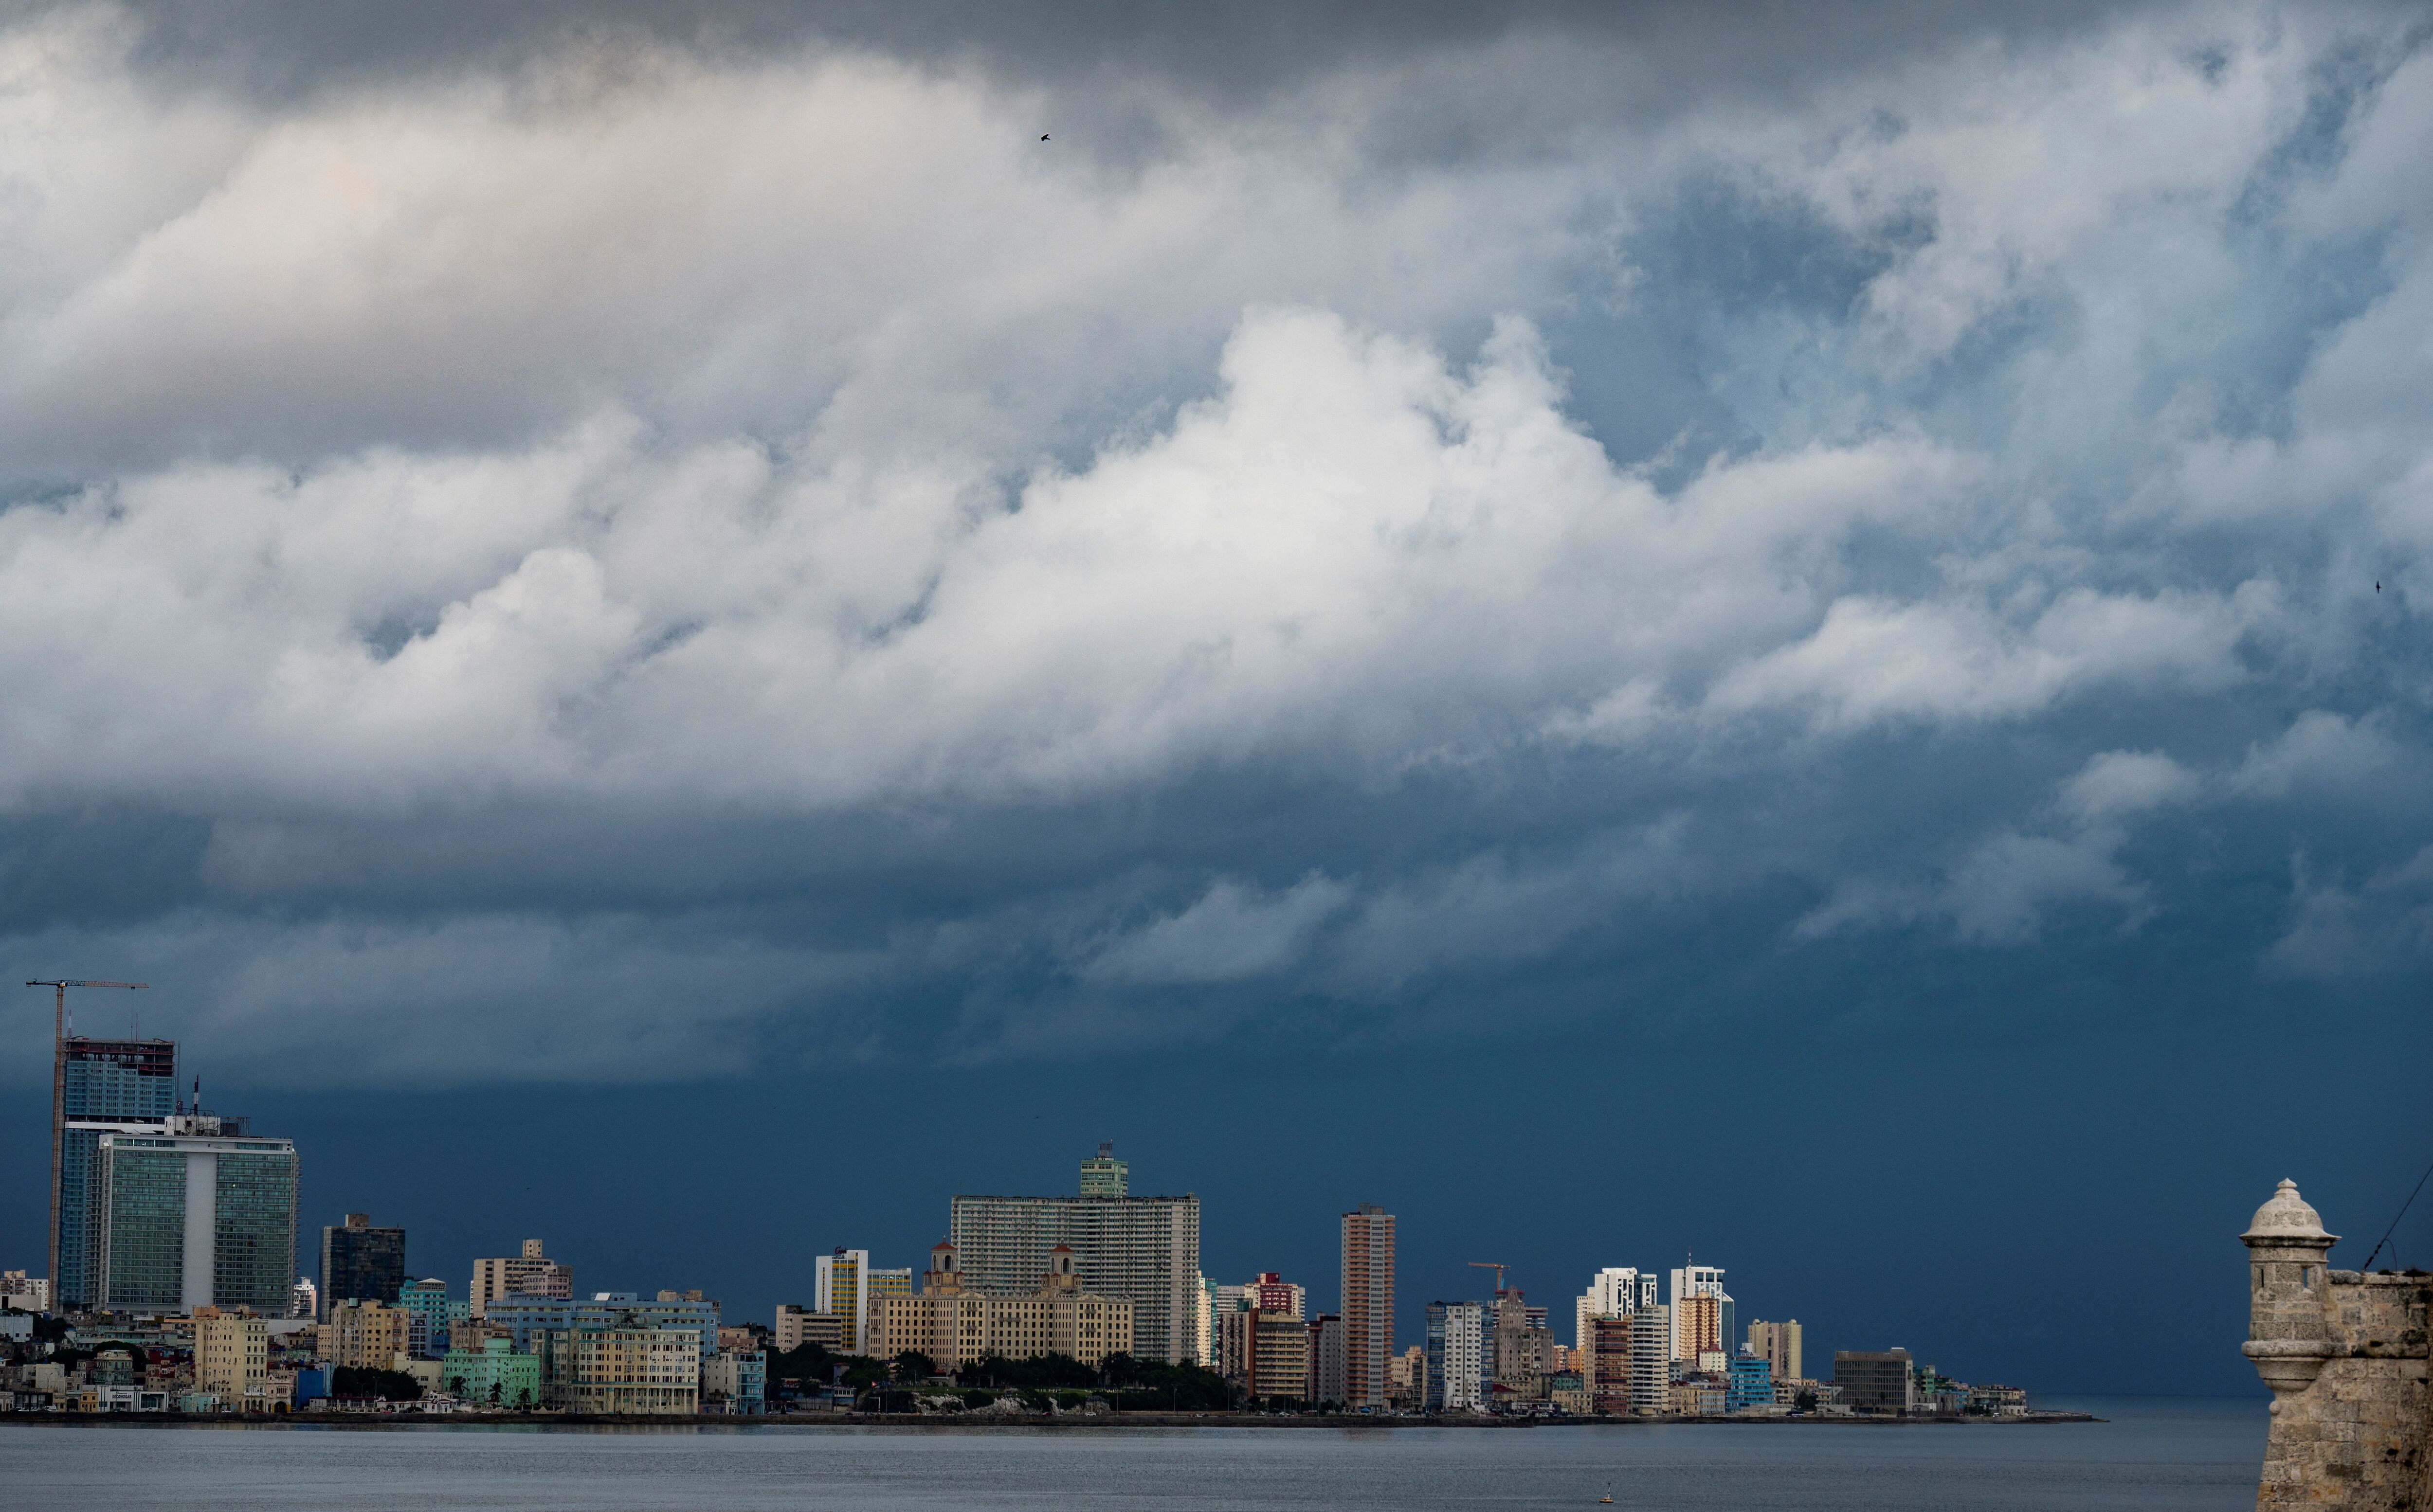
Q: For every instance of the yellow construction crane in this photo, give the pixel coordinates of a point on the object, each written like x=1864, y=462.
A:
x=60, y=1105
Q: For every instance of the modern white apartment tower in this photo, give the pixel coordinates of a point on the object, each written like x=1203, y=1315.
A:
x=841, y=1286
x=1617, y=1291
x=1456, y=1356
x=1651, y=1375
x=1701, y=1311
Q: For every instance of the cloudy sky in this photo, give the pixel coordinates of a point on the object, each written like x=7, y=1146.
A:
x=1624, y=630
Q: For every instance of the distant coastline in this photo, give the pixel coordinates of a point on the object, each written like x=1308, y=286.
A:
x=974, y=1422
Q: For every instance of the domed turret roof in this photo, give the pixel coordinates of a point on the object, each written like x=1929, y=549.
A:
x=2288, y=1217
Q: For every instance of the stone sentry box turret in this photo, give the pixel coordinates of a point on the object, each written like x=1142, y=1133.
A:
x=2345, y=1356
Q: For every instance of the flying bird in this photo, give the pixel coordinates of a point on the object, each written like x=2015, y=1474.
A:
x=1042, y=136
x=2377, y=588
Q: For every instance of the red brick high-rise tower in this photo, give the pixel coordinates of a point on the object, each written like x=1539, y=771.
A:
x=1368, y=1304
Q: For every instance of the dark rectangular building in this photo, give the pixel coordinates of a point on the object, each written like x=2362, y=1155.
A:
x=361, y=1264
x=1872, y=1382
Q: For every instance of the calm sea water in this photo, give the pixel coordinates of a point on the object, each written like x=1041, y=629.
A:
x=2157, y=1456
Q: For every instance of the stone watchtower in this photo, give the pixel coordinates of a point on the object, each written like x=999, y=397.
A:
x=2345, y=1356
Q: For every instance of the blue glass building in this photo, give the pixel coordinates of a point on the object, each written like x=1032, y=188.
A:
x=1454, y=1347
x=121, y=1086
x=1752, y=1382
x=184, y=1220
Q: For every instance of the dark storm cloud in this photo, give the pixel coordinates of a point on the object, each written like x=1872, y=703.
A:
x=1776, y=607
x=1458, y=500
x=1236, y=52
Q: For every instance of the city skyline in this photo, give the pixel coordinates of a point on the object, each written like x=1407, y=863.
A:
x=359, y=1261
x=1787, y=634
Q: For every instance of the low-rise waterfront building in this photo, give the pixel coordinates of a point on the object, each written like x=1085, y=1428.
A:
x=1875, y=1381
x=649, y=1371
x=495, y=1374
x=1820, y=1394
x=1406, y=1379
x=954, y=1324
x=366, y=1335
x=1751, y=1382
x=232, y=1359
x=734, y=1383
x=524, y=1317
x=798, y=1326
x=1570, y=1393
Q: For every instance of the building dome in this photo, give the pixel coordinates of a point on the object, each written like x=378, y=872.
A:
x=2287, y=1217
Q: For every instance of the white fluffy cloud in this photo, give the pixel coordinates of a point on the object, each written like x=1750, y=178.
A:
x=625, y=434
x=1350, y=550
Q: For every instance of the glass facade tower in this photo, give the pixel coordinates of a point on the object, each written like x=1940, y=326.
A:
x=106, y=1086
x=183, y=1220
x=361, y=1264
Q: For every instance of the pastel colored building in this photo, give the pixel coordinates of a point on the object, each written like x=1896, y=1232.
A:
x=497, y=1374
x=232, y=1359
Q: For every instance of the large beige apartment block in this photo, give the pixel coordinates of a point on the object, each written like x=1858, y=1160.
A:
x=954, y=1326
x=1780, y=1344
x=622, y=1370
x=364, y=1335
x=1145, y=1250
x=530, y=1274
x=233, y=1358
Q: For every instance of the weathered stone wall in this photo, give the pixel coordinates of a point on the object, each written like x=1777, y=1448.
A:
x=2345, y=1355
